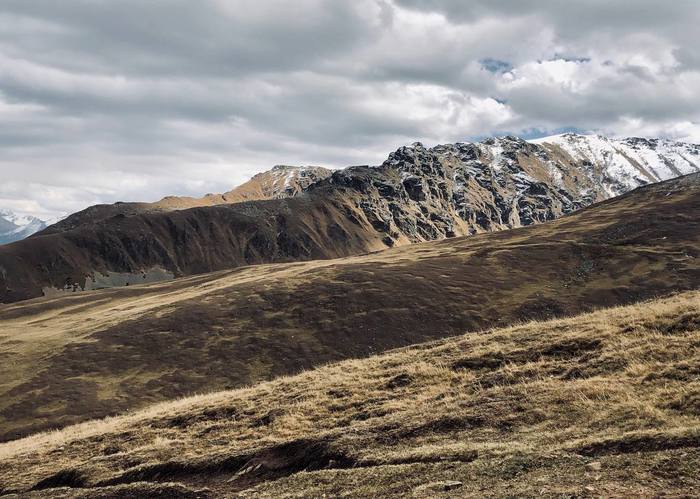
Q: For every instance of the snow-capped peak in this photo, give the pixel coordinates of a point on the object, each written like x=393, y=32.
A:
x=628, y=162
x=15, y=226
x=17, y=219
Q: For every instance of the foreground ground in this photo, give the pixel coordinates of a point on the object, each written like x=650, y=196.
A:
x=69, y=359
x=601, y=404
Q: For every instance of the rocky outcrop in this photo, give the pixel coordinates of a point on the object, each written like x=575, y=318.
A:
x=422, y=194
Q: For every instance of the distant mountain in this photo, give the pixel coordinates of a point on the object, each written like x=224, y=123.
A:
x=417, y=194
x=623, y=164
x=14, y=227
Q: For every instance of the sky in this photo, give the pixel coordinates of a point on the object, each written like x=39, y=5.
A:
x=108, y=100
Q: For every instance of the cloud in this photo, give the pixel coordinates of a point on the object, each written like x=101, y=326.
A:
x=105, y=100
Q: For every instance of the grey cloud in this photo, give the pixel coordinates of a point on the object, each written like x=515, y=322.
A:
x=575, y=17
x=103, y=100
x=688, y=57
x=180, y=37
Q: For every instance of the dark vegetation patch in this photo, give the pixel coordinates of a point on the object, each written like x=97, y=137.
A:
x=688, y=403
x=266, y=419
x=681, y=371
x=111, y=450
x=684, y=324
x=140, y=490
x=540, y=308
x=445, y=424
x=364, y=415
x=182, y=421
x=638, y=443
x=339, y=393
x=464, y=457
x=399, y=381
x=489, y=361
x=64, y=478
x=674, y=467
x=563, y=350
x=268, y=463
x=587, y=367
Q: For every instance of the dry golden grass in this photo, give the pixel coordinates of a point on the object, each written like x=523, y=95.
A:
x=606, y=403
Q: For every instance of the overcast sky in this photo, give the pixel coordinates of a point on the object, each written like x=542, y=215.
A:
x=106, y=100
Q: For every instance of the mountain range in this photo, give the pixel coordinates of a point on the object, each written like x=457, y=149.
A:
x=301, y=213
x=14, y=227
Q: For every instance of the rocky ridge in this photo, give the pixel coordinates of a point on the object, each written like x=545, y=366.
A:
x=624, y=164
x=421, y=194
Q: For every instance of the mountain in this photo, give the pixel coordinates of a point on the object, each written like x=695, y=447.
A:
x=72, y=357
x=600, y=405
x=280, y=182
x=14, y=227
x=624, y=164
x=417, y=194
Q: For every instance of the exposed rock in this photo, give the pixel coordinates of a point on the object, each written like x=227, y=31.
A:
x=428, y=489
x=594, y=466
x=451, y=485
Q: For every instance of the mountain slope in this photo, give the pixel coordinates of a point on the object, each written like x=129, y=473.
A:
x=418, y=194
x=86, y=355
x=604, y=404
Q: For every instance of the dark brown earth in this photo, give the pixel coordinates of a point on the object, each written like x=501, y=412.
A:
x=72, y=358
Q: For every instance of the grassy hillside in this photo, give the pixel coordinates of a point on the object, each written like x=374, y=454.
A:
x=68, y=359
x=601, y=404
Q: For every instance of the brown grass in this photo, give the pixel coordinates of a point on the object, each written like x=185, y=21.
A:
x=601, y=404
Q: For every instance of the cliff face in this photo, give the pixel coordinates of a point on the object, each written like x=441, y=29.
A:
x=417, y=194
